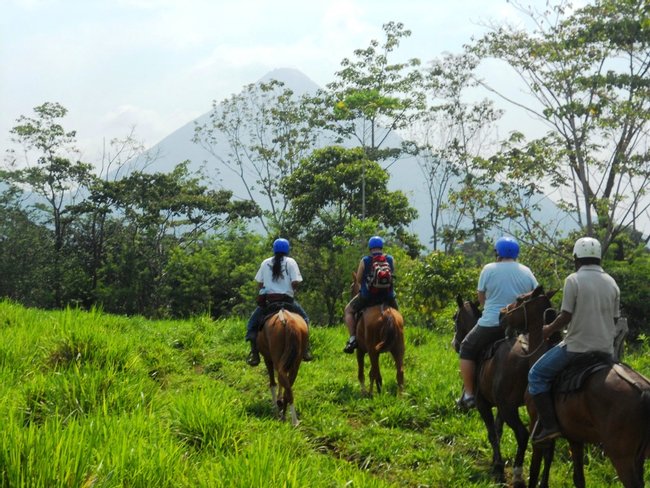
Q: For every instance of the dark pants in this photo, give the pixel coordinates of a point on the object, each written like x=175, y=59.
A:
x=254, y=320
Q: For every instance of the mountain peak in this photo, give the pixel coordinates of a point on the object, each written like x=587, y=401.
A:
x=292, y=78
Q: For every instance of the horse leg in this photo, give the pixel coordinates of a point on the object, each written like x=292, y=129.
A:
x=375, y=374
x=485, y=411
x=272, y=384
x=630, y=472
x=540, y=454
x=511, y=417
x=398, y=356
x=360, y=372
x=578, y=457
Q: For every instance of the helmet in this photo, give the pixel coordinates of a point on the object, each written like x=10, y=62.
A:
x=507, y=247
x=587, y=247
x=281, y=245
x=375, y=242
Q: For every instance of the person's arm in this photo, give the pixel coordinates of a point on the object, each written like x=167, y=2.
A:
x=294, y=285
x=481, y=298
x=559, y=323
x=360, y=269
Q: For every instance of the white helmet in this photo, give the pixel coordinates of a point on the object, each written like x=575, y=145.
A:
x=587, y=247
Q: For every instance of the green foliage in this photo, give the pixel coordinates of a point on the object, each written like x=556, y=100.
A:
x=215, y=275
x=82, y=406
x=632, y=278
x=433, y=282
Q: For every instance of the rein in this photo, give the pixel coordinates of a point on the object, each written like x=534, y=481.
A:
x=538, y=348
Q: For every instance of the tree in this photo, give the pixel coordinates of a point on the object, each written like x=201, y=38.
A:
x=371, y=98
x=53, y=178
x=451, y=135
x=153, y=214
x=324, y=200
x=260, y=135
x=588, y=73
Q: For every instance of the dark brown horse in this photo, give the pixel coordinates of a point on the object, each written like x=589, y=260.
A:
x=501, y=382
x=611, y=409
x=380, y=328
x=281, y=342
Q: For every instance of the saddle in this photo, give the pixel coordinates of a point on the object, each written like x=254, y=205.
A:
x=573, y=377
x=272, y=308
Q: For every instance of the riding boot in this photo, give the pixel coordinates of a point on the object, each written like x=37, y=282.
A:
x=306, y=355
x=546, y=428
x=254, y=356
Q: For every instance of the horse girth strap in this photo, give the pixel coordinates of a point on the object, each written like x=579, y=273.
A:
x=621, y=372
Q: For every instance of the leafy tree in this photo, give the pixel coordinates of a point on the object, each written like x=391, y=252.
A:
x=587, y=71
x=152, y=214
x=324, y=195
x=260, y=135
x=214, y=275
x=25, y=253
x=372, y=97
x=53, y=177
x=451, y=135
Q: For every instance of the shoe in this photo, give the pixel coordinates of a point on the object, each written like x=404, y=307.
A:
x=350, y=346
x=465, y=404
x=307, y=355
x=543, y=436
x=253, y=358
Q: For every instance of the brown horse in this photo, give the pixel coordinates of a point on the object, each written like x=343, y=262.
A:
x=281, y=342
x=611, y=409
x=501, y=382
x=380, y=328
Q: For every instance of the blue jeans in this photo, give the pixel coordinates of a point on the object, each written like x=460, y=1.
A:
x=544, y=371
x=253, y=321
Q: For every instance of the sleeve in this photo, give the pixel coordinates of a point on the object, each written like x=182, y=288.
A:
x=293, y=270
x=482, y=280
x=259, y=276
x=569, y=294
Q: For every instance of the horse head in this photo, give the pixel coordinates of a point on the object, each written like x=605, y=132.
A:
x=465, y=319
x=528, y=310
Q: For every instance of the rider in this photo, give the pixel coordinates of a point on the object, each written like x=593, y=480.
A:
x=499, y=284
x=590, y=308
x=277, y=278
x=366, y=297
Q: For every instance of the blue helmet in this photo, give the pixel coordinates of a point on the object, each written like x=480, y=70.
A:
x=507, y=247
x=281, y=245
x=375, y=242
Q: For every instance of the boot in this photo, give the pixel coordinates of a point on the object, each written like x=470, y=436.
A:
x=546, y=428
x=253, y=358
x=306, y=355
x=350, y=346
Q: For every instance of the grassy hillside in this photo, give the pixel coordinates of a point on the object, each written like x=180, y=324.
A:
x=92, y=400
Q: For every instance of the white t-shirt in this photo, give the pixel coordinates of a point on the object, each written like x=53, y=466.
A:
x=290, y=273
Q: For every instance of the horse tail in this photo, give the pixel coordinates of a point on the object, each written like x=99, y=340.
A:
x=290, y=344
x=387, y=330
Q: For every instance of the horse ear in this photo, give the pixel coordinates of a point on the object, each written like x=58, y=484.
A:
x=459, y=301
x=538, y=291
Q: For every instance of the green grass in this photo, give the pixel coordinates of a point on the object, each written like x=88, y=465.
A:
x=93, y=400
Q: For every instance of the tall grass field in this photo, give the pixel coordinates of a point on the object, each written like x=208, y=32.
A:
x=94, y=400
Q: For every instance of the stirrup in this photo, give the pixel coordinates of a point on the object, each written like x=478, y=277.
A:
x=466, y=404
x=253, y=358
x=544, y=436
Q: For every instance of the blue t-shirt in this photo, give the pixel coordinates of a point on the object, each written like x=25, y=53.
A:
x=502, y=282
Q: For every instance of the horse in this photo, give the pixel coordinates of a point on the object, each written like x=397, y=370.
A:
x=611, y=409
x=281, y=341
x=501, y=382
x=380, y=328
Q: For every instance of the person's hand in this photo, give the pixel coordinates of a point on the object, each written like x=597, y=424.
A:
x=547, y=331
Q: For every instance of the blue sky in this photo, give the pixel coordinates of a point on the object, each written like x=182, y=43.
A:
x=155, y=65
